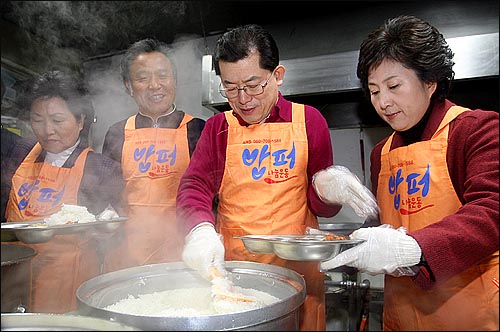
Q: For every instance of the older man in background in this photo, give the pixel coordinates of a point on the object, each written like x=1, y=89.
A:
x=154, y=148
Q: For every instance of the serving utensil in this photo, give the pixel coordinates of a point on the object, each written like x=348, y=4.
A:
x=223, y=288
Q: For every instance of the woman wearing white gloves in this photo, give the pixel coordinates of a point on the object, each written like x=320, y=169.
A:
x=436, y=176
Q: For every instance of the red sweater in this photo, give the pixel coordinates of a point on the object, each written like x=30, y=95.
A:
x=464, y=238
x=201, y=182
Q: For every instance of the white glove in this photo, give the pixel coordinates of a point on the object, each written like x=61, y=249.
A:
x=108, y=214
x=203, y=249
x=338, y=185
x=385, y=250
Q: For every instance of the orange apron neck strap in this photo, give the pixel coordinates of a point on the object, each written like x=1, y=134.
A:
x=130, y=124
x=185, y=119
x=80, y=161
x=37, y=149
x=231, y=119
x=451, y=114
x=34, y=153
x=387, y=145
x=298, y=114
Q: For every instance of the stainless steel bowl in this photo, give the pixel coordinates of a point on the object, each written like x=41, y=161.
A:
x=28, y=232
x=96, y=294
x=340, y=228
x=35, y=234
x=258, y=244
x=312, y=251
x=297, y=247
x=56, y=322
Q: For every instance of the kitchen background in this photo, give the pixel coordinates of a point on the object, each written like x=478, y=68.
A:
x=318, y=43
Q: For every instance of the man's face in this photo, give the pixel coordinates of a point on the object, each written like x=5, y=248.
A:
x=247, y=72
x=152, y=83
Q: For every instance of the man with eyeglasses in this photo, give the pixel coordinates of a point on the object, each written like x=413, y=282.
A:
x=154, y=148
x=258, y=160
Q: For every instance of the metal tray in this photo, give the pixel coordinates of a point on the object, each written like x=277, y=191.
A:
x=297, y=247
x=59, y=322
x=30, y=232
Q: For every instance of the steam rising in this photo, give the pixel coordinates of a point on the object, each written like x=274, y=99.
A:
x=54, y=21
x=93, y=25
x=88, y=39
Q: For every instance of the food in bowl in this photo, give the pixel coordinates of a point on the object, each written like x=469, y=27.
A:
x=70, y=214
x=334, y=237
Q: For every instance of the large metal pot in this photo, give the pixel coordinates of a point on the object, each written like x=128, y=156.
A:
x=16, y=277
x=99, y=292
x=56, y=322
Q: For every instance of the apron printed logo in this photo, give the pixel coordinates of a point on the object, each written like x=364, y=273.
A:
x=165, y=159
x=281, y=173
x=45, y=198
x=418, y=186
x=283, y=160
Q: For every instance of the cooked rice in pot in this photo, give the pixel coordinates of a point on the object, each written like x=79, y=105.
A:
x=188, y=302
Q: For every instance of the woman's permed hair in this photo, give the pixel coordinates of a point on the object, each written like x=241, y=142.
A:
x=67, y=87
x=415, y=44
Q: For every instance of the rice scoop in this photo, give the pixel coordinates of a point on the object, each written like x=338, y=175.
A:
x=226, y=297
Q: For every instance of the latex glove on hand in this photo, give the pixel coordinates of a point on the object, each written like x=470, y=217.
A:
x=385, y=250
x=338, y=185
x=203, y=249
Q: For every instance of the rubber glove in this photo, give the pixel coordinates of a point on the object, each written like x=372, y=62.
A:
x=203, y=249
x=338, y=185
x=385, y=250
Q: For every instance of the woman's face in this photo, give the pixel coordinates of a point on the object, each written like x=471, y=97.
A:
x=54, y=126
x=398, y=95
x=252, y=109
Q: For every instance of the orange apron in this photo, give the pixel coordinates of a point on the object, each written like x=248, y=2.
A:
x=414, y=191
x=263, y=191
x=65, y=262
x=153, y=162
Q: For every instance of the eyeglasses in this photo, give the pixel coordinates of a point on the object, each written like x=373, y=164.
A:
x=251, y=90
